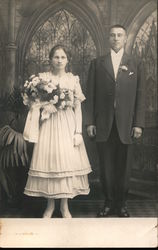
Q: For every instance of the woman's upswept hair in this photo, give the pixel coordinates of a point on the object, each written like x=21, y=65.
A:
x=55, y=48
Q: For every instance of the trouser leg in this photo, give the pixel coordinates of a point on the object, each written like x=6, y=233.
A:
x=121, y=170
x=121, y=174
x=107, y=163
x=114, y=172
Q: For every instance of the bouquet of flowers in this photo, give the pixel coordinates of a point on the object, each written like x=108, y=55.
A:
x=44, y=93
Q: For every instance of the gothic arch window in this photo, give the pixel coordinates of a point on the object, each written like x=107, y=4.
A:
x=61, y=28
x=145, y=47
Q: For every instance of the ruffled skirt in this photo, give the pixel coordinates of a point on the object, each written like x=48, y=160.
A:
x=58, y=168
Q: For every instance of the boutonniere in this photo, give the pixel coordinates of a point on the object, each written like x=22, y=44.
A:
x=131, y=73
x=123, y=67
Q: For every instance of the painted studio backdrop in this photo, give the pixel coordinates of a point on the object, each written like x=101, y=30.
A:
x=28, y=30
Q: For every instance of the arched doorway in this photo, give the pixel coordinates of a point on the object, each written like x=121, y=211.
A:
x=80, y=31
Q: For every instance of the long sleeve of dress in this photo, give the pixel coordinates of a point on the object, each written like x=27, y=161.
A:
x=90, y=94
x=79, y=97
x=78, y=117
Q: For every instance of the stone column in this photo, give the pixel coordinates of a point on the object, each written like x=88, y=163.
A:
x=11, y=46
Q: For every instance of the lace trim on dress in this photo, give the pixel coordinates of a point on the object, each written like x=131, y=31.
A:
x=57, y=188
x=56, y=196
x=58, y=174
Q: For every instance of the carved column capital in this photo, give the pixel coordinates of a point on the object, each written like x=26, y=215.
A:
x=11, y=46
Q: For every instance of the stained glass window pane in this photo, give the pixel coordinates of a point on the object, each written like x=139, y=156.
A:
x=61, y=28
x=145, y=48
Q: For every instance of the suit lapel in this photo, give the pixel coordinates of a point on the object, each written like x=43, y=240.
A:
x=107, y=63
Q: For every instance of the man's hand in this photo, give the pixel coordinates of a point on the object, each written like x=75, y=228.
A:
x=91, y=130
x=136, y=132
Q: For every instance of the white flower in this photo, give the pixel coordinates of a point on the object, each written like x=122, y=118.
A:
x=63, y=104
x=34, y=94
x=33, y=88
x=54, y=102
x=35, y=81
x=25, y=84
x=32, y=76
x=55, y=99
x=52, y=86
x=48, y=89
x=29, y=85
x=124, y=67
x=62, y=96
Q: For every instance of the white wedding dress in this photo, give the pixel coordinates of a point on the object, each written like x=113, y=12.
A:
x=58, y=168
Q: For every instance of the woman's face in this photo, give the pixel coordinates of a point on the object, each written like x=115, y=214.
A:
x=59, y=59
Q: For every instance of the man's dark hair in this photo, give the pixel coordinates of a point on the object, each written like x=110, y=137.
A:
x=118, y=26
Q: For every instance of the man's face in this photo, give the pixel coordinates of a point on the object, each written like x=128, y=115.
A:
x=117, y=38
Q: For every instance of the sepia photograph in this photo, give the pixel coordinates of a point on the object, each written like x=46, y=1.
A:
x=78, y=123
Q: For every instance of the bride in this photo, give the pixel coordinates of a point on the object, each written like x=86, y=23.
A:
x=59, y=167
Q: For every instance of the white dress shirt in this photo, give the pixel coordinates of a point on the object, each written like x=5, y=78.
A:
x=116, y=59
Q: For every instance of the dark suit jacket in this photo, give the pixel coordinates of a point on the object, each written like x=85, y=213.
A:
x=127, y=92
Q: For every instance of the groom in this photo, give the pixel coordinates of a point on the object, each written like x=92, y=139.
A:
x=115, y=117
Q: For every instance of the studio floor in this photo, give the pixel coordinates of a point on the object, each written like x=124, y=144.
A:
x=80, y=206
x=82, y=209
